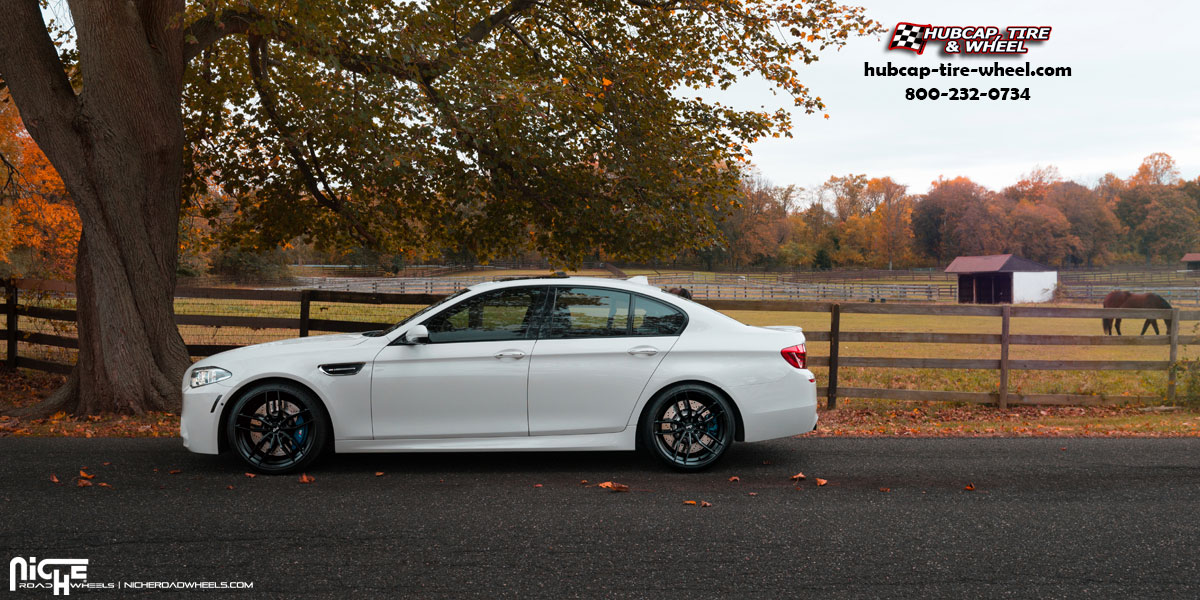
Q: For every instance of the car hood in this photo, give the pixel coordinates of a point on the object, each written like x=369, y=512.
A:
x=306, y=345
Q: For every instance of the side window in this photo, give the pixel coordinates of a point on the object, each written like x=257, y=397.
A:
x=586, y=312
x=495, y=316
x=651, y=317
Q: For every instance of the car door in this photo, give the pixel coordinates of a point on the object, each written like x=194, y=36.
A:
x=470, y=379
x=597, y=349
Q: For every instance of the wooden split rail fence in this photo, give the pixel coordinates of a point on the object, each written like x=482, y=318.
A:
x=1005, y=340
x=1003, y=396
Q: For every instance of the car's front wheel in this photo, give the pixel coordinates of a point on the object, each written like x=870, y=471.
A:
x=689, y=427
x=277, y=428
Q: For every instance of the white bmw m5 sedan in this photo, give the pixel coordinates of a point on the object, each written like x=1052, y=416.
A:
x=546, y=364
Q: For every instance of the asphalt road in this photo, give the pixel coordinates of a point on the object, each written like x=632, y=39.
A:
x=1048, y=518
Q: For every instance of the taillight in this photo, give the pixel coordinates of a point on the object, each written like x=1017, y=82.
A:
x=796, y=356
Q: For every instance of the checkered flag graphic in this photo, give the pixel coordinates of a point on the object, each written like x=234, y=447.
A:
x=909, y=36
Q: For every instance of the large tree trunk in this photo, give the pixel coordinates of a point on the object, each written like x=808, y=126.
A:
x=118, y=146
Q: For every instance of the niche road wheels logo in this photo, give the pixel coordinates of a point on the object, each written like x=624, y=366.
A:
x=49, y=573
x=977, y=39
x=64, y=574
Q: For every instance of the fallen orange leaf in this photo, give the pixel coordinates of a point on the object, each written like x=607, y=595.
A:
x=174, y=472
x=798, y=477
x=84, y=483
x=584, y=482
x=735, y=479
x=85, y=475
x=692, y=502
x=229, y=487
x=379, y=473
x=108, y=464
x=704, y=504
x=537, y=485
x=970, y=487
x=616, y=487
x=102, y=484
x=885, y=490
x=306, y=478
x=752, y=494
x=821, y=482
x=54, y=478
x=250, y=475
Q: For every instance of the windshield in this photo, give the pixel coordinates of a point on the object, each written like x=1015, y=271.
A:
x=421, y=312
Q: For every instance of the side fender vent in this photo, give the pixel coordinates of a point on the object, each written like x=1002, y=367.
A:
x=338, y=369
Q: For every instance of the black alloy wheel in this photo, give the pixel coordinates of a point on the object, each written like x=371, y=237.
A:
x=277, y=428
x=689, y=427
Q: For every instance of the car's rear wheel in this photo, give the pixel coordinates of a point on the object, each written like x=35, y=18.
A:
x=277, y=428
x=689, y=427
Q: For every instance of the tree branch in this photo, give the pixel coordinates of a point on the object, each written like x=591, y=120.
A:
x=210, y=29
x=467, y=139
x=11, y=177
x=537, y=55
x=34, y=75
x=325, y=197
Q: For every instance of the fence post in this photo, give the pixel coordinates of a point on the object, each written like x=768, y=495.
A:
x=10, y=308
x=305, y=303
x=835, y=324
x=1173, y=330
x=1005, y=316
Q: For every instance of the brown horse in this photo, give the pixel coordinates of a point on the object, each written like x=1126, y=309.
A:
x=1123, y=299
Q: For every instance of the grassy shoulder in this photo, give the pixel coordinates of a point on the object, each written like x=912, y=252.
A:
x=870, y=418
x=875, y=418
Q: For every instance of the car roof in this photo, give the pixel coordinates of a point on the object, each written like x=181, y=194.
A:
x=635, y=285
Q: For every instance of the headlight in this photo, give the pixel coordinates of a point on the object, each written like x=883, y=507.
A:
x=207, y=375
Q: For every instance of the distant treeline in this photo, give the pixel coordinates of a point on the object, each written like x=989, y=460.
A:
x=859, y=221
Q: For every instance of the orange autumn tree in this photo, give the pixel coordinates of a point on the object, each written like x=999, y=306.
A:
x=40, y=226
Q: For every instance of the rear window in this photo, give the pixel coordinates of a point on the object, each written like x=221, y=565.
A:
x=651, y=317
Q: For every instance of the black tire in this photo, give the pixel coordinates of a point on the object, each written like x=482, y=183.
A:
x=689, y=427
x=277, y=428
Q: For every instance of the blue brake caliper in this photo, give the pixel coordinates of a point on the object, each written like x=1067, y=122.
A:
x=300, y=432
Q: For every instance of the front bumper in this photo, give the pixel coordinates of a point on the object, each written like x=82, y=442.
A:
x=199, y=423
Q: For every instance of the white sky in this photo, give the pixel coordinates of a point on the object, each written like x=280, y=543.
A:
x=1134, y=90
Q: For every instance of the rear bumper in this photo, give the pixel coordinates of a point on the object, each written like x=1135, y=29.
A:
x=780, y=409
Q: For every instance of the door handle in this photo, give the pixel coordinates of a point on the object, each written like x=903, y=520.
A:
x=517, y=354
x=643, y=351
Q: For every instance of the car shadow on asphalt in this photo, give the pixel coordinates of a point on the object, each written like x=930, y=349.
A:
x=739, y=458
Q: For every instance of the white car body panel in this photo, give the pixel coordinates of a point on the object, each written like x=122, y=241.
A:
x=583, y=394
x=580, y=386
x=621, y=440
x=451, y=390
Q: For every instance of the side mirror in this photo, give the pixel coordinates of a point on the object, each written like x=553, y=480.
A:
x=417, y=334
